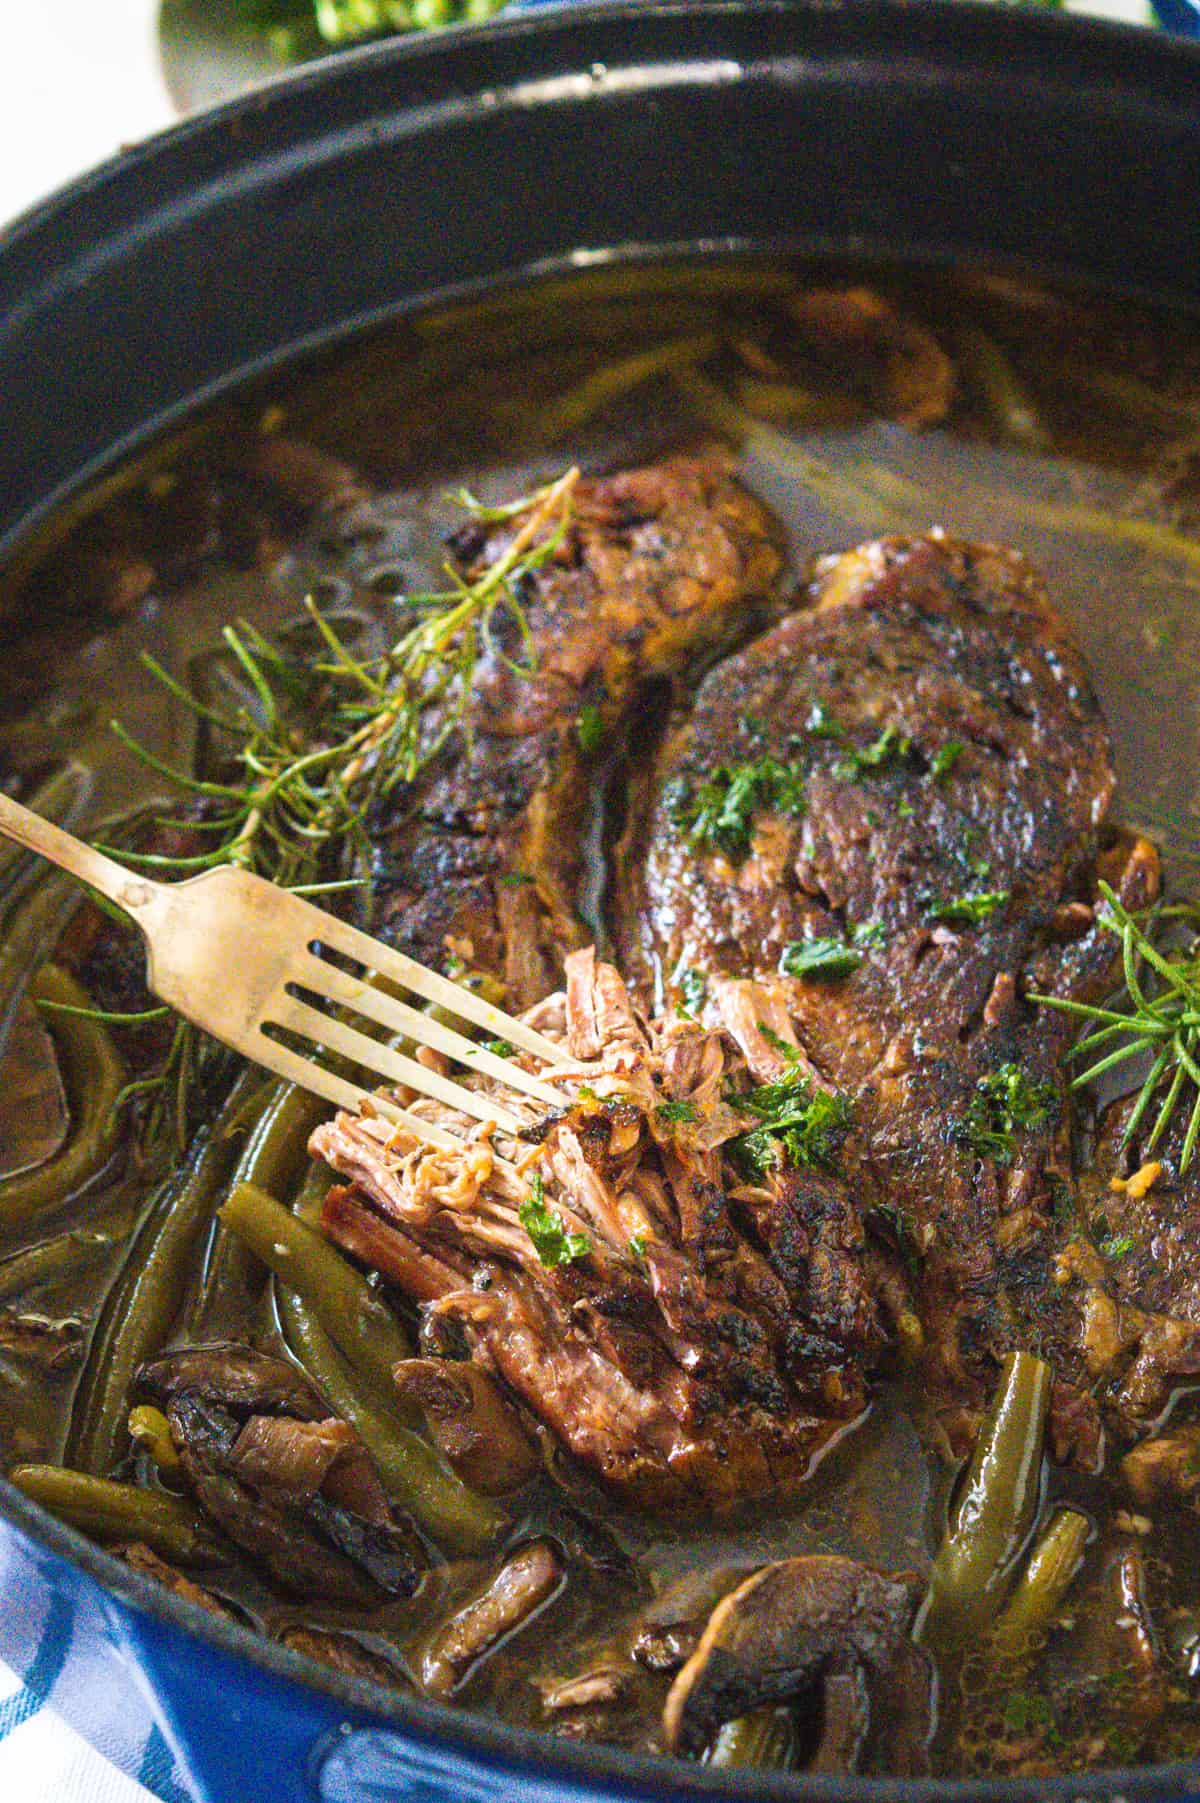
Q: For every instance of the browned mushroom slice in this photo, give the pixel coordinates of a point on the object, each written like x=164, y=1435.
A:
x=1135, y=1627
x=1167, y=1466
x=142, y=1558
x=667, y=1631
x=343, y=1653
x=912, y=377
x=526, y=1581
x=292, y=1486
x=788, y=1627
x=479, y=1434
x=843, y=1720
x=38, y=1340
x=603, y=1685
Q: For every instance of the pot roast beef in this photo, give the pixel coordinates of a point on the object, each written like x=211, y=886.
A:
x=939, y=863
x=832, y=1124
x=482, y=863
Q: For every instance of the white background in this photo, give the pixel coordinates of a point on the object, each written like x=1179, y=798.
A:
x=78, y=78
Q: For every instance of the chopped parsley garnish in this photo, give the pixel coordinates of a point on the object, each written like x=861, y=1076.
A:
x=693, y=987
x=718, y=813
x=1004, y=1102
x=821, y=723
x=516, y=879
x=500, y=1048
x=1117, y=1247
x=637, y=1245
x=1027, y=1713
x=799, y=1122
x=967, y=910
x=589, y=730
x=671, y=1112
x=819, y=958
x=945, y=758
x=780, y=1044
x=830, y=957
x=889, y=748
x=544, y=1225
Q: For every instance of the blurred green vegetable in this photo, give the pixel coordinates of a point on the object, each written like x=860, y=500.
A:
x=299, y=28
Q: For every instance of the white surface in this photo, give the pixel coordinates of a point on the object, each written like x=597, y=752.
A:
x=78, y=78
x=43, y=1760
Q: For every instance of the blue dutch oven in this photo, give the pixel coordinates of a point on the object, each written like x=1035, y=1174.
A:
x=368, y=185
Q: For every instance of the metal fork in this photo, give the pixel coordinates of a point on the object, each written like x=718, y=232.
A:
x=248, y=962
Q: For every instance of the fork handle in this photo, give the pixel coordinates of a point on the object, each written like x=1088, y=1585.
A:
x=126, y=888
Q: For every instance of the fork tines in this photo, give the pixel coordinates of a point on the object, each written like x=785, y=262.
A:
x=313, y=1011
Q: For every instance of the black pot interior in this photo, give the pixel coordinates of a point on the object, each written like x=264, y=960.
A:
x=344, y=195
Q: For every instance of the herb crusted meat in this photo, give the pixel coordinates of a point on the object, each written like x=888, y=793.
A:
x=891, y=811
x=619, y=1288
x=482, y=859
x=866, y=844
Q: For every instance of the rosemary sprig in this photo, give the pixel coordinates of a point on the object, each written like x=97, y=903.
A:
x=1155, y=1017
x=327, y=741
x=324, y=741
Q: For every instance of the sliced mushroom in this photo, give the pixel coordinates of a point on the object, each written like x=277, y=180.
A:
x=1167, y=1466
x=791, y=1626
x=52, y=1345
x=667, y=1631
x=1135, y=1626
x=526, y=1581
x=293, y=1487
x=144, y=1559
x=477, y=1431
x=603, y=1685
x=343, y=1653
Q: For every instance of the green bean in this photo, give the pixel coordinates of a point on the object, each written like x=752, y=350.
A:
x=788, y=403
x=640, y=288
x=766, y=1738
x=569, y=411
x=353, y=1314
x=36, y=922
x=59, y=798
x=144, y=1301
x=105, y=1510
x=66, y=1254
x=1128, y=396
x=95, y=1076
x=836, y=489
x=272, y=1160
x=310, y=1197
x=1052, y=1568
x=1110, y=528
x=1006, y=401
x=993, y=1511
x=455, y=1517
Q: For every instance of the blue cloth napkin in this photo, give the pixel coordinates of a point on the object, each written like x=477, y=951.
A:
x=43, y=1759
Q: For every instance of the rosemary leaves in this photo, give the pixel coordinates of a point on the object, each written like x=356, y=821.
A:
x=1156, y=1018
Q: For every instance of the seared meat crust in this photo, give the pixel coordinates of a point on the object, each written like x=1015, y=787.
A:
x=956, y=777
x=666, y=1352
x=483, y=859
